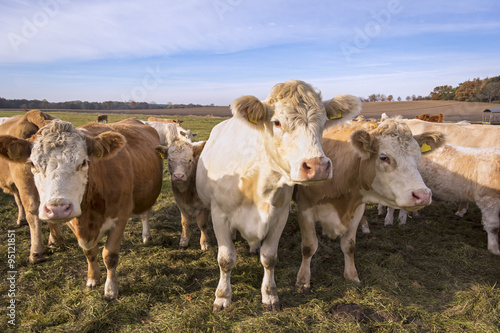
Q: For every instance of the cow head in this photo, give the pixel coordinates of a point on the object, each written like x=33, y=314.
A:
x=60, y=157
x=291, y=122
x=391, y=154
x=182, y=159
x=185, y=135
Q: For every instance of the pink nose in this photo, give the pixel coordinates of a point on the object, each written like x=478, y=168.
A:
x=422, y=197
x=58, y=211
x=316, y=169
x=178, y=176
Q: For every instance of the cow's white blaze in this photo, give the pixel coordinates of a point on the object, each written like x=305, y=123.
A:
x=60, y=169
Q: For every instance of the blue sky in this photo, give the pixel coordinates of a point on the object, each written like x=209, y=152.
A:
x=213, y=51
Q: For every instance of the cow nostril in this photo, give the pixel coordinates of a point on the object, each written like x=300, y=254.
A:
x=305, y=166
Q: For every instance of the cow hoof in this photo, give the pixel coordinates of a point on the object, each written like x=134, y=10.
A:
x=92, y=284
x=55, y=245
x=110, y=290
x=22, y=222
x=303, y=289
x=183, y=243
x=220, y=304
x=205, y=246
x=146, y=240
x=37, y=258
x=272, y=307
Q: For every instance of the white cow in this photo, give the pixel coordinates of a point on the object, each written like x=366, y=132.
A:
x=460, y=134
x=250, y=164
x=455, y=173
x=170, y=132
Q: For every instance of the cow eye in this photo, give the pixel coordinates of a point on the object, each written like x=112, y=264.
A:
x=83, y=165
x=277, y=123
x=34, y=169
x=385, y=159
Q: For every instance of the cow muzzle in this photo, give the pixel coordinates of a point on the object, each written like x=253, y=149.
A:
x=57, y=210
x=315, y=169
x=419, y=199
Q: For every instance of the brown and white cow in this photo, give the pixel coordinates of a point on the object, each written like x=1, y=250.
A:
x=371, y=163
x=182, y=162
x=94, y=177
x=250, y=164
x=17, y=179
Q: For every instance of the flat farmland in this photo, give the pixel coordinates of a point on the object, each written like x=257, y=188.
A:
x=433, y=274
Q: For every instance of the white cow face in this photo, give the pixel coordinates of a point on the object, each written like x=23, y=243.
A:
x=291, y=121
x=393, y=154
x=185, y=135
x=294, y=142
x=60, y=160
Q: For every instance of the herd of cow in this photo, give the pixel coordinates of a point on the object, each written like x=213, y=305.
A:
x=290, y=146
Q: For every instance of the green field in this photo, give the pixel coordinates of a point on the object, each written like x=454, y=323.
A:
x=433, y=275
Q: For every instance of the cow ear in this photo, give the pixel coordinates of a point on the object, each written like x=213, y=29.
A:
x=14, y=149
x=105, y=145
x=162, y=151
x=251, y=109
x=342, y=108
x=198, y=148
x=430, y=141
x=364, y=144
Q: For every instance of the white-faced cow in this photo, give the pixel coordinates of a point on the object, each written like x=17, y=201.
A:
x=465, y=135
x=371, y=163
x=465, y=174
x=250, y=164
x=94, y=177
x=170, y=132
x=17, y=179
x=182, y=162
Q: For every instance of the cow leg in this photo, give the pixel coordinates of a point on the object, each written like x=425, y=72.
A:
x=309, y=245
x=202, y=221
x=185, y=235
x=226, y=257
x=365, y=228
x=389, y=217
x=93, y=273
x=491, y=223
x=21, y=214
x=381, y=209
x=36, y=248
x=146, y=232
x=55, y=236
x=348, y=244
x=402, y=217
x=463, y=208
x=29, y=200
x=110, y=255
x=268, y=258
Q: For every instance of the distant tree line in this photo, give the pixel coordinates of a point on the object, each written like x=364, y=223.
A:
x=79, y=105
x=476, y=90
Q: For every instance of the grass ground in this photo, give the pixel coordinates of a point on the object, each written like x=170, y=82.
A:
x=432, y=275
